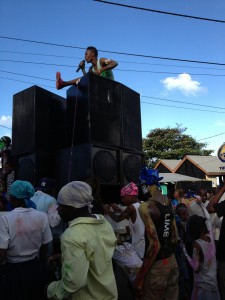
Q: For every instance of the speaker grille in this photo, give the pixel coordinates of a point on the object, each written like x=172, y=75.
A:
x=105, y=166
x=132, y=165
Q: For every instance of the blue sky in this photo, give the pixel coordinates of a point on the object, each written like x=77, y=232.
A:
x=164, y=85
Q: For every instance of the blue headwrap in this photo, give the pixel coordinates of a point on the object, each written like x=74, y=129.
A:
x=23, y=190
x=149, y=177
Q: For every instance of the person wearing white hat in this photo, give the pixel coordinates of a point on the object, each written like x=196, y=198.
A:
x=87, y=248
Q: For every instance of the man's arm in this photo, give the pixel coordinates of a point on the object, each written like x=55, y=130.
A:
x=107, y=64
x=195, y=260
x=123, y=215
x=154, y=245
x=75, y=267
x=215, y=200
x=52, y=212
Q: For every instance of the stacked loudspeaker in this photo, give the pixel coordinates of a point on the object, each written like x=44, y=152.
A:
x=96, y=132
x=38, y=130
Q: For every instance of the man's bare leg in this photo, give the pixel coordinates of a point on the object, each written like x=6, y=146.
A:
x=60, y=84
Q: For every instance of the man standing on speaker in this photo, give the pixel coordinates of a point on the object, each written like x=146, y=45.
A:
x=101, y=67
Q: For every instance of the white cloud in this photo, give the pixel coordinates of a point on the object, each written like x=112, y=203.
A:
x=5, y=125
x=219, y=123
x=6, y=121
x=183, y=83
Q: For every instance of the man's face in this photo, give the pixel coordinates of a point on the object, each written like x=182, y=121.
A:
x=176, y=194
x=203, y=195
x=183, y=214
x=89, y=55
x=127, y=200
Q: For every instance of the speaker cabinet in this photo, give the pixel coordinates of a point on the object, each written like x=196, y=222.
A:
x=87, y=160
x=38, y=121
x=131, y=165
x=94, y=112
x=35, y=166
x=131, y=120
x=102, y=111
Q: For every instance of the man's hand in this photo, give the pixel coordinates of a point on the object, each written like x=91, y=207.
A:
x=198, y=199
x=106, y=208
x=82, y=64
x=138, y=292
x=55, y=260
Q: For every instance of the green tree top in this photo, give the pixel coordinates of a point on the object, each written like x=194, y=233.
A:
x=171, y=143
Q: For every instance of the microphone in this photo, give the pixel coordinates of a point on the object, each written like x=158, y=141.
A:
x=78, y=69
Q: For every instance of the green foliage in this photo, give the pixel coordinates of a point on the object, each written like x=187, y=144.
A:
x=171, y=143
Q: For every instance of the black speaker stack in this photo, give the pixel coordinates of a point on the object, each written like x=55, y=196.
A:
x=95, y=132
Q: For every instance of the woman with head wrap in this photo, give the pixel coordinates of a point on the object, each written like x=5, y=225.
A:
x=129, y=195
x=23, y=231
x=87, y=248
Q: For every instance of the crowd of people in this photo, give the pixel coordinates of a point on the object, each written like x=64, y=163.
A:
x=169, y=248
x=69, y=245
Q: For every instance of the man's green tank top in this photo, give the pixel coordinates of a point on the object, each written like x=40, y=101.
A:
x=106, y=74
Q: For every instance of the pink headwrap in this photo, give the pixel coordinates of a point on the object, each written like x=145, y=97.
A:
x=131, y=190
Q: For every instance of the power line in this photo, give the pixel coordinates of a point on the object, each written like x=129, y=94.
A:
x=5, y=127
x=160, y=11
x=212, y=111
x=40, y=42
x=26, y=75
x=168, y=72
x=36, y=63
x=122, y=61
x=39, y=54
x=118, y=69
x=189, y=103
x=116, y=52
x=26, y=82
x=212, y=136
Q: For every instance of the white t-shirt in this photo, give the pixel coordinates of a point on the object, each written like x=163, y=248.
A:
x=48, y=205
x=22, y=232
x=199, y=209
x=138, y=232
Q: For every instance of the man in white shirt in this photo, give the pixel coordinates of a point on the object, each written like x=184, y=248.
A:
x=23, y=232
x=45, y=202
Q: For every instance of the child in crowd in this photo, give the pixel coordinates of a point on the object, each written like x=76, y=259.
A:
x=178, y=196
x=203, y=261
x=185, y=272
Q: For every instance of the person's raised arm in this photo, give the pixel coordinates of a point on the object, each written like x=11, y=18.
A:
x=215, y=199
x=120, y=215
x=146, y=211
x=107, y=64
